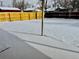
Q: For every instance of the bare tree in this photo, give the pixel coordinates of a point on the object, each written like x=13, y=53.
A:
x=1, y=3
x=21, y=5
x=14, y=2
x=75, y=4
x=64, y=3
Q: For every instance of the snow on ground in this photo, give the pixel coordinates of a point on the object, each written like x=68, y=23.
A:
x=60, y=40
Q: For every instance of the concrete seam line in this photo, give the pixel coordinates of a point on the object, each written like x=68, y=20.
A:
x=53, y=46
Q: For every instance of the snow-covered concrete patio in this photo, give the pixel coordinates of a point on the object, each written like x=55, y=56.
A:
x=60, y=40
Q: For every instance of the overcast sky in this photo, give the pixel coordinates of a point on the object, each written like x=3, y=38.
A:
x=9, y=2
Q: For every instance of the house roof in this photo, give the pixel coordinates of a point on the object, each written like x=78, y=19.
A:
x=29, y=9
x=33, y=9
x=9, y=8
x=54, y=8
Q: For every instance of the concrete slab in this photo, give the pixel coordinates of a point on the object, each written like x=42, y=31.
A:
x=17, y=48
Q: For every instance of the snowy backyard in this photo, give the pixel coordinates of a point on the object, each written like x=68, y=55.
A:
x=60, y=40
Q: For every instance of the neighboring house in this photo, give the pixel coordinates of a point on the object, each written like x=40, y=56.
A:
x=9, y=9
x=51, y=9
x=31, y=9
x=55, y=9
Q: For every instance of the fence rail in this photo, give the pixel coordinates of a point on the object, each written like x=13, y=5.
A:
x=62, y=14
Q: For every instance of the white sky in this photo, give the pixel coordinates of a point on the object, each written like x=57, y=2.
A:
x=9, y=2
